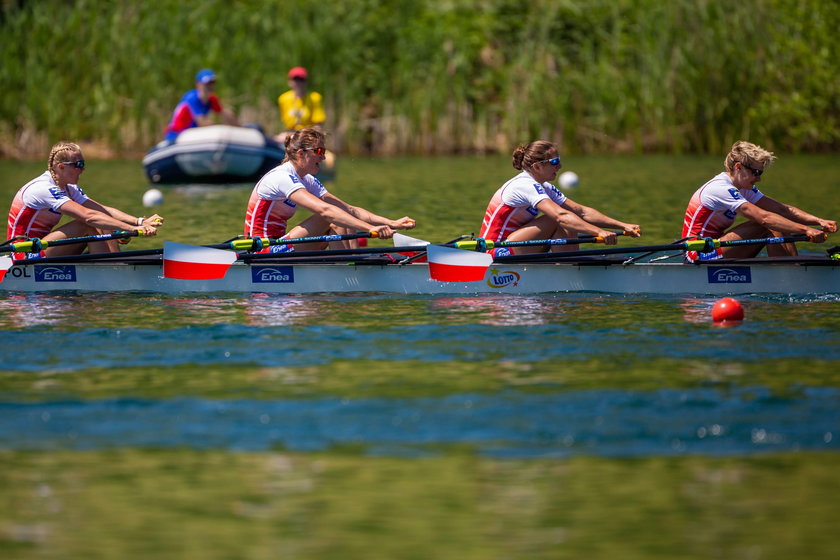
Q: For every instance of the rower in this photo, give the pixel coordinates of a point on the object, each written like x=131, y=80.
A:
x=279, y=192
x=513, y=213
x=715, y=205
x=39, y=205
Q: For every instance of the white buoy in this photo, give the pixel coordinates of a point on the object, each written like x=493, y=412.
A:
x=568, y=180
x=152, y=197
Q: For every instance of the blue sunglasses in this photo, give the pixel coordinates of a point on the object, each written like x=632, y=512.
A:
x=555, y=161
x=77, y=164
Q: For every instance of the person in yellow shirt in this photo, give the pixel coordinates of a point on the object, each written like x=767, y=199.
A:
x=299, y=109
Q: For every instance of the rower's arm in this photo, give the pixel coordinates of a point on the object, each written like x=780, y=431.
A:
x=361, y=213
x=776, y=222
x=330, y=212
x=95, y=217
x=795, y=214
x=567, y=218
x=598, y=218
x=155, y=220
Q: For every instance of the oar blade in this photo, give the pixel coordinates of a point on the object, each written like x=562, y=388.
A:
x=401, y=240
x=6, y=263
x=191, y=262
x=454, y=265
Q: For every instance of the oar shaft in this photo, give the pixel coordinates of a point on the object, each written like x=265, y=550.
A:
x=591, y=252
x=690, y=245
x=92, y=257
x=35, y=244
x=768, y=241
x=474, y=244
x=359, y=251
x=257, y=243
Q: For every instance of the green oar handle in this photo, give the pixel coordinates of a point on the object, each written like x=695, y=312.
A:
x=35, y=245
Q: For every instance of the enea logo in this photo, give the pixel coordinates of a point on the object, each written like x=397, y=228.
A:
x=729, y=275
x=55, y=273
x=502, y=279
x=272, y=275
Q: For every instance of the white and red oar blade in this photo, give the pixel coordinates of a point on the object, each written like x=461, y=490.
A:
x=401, y=240
x=455, y=265
x=191, y=262
x=6, y=263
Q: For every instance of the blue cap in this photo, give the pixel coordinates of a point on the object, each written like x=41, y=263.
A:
x=205, y=76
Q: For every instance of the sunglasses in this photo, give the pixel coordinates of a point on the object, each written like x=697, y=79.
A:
x=555, y=161
x=318, y=151
x=755, y=172
x=77, y=164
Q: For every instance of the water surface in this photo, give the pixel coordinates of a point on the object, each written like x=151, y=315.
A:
x=551, y=426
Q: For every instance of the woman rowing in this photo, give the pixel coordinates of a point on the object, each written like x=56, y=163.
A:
x=279, y=192
x=529, y=207
x=714, y=207
x=39, y=205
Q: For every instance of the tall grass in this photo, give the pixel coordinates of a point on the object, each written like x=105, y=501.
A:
x=433, y=77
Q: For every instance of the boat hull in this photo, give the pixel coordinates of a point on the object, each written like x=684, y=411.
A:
x=819, y=277
x=213, y=154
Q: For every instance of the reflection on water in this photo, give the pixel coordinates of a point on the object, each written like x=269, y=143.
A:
x=498, y=310
x=273, y=310
x=26, y=310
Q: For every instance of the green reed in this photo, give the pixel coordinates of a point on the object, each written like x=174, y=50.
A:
x=433, y=76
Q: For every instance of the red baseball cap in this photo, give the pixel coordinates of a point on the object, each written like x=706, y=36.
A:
x=297, y=72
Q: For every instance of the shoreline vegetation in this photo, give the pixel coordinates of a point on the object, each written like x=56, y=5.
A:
x=432, y=77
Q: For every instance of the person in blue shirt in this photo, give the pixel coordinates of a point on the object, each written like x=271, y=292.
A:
x=196, y=105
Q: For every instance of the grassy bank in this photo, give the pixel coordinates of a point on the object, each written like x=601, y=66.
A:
x=434, y=77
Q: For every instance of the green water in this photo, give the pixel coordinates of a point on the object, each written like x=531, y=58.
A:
x=96, y=354
x=188, y=504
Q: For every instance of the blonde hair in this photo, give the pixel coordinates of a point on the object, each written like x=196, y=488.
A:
x=57, y=149
x=749, y=154
x=300, y=140
x=535, y=152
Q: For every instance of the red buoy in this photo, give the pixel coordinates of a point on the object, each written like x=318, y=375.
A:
x=727, y=309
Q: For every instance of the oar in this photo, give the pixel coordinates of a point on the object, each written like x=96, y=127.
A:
x=259, y=243
x=701, y=245
x=5, y=264
x=631, y=260
x=236, y=244
x=486, y=244
x=35, y=244
x=360, y=251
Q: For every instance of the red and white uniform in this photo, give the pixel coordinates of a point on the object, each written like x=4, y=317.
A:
x=713, y=209
x=515, y=204
x=269, y=207
x=34, y=211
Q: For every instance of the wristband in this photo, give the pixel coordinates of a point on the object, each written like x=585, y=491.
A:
x=140, y=220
